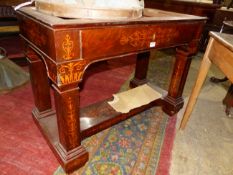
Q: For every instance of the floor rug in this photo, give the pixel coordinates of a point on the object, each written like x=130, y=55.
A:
x=23, y=150
x=130, y=147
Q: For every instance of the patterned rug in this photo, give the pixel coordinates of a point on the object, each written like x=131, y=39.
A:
x=130, y=147
x=133, y=146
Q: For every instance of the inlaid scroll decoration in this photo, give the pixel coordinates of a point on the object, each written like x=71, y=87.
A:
x=68, y=46
x=70, y=72
x=72, y=122
x=136, y=39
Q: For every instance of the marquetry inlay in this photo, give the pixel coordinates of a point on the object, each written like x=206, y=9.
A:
x=71, y=130
x=70, y=72
x=137, y=39
x=68, y=46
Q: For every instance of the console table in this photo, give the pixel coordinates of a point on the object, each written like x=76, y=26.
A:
x=60, y=50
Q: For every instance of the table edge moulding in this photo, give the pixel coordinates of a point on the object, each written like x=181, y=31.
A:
x=60, y=50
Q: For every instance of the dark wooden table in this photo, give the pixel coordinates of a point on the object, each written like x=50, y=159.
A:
x=186, y=6
x=60, y=50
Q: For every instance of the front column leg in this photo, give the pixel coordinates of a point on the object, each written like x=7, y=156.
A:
x=173, y=102
x=40, y=84
x=72, y=155
x=142, y=63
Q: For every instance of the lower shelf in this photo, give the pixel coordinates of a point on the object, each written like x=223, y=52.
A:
x=93, y=119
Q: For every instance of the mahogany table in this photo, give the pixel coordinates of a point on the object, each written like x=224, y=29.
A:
x=219, y=52
x=60, y=50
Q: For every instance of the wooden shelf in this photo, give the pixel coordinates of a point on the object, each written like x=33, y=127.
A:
x=94, y=118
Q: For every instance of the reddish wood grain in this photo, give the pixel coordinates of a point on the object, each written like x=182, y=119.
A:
x=63, y=50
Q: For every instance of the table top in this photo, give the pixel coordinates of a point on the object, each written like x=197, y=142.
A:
x=225, y=39
x=228, y=23
x=149, y=16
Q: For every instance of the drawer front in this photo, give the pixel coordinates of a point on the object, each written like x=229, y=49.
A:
x=113, y=41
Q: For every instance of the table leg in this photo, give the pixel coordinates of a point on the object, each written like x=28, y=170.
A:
x=39, y=82
x=173, y=102
x=228, y=100
x=72, y=155
x=205, y=65
x=142, y=63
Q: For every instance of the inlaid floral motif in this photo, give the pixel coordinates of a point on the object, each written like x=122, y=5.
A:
x=68, y=46
x=70, y=72
x=136, y=39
